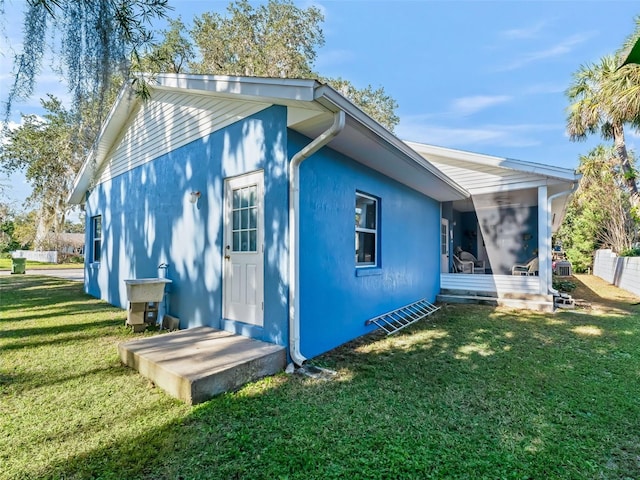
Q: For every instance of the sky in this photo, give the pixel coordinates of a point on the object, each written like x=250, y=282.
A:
x=482, y=76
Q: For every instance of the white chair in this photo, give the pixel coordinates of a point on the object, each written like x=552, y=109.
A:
x=531, y=267
x=478, y=265
x=462, y=266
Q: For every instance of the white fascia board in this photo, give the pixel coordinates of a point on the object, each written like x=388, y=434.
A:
x=565, y=174
x=339, y=101
x=125, y=103
x=253, y=88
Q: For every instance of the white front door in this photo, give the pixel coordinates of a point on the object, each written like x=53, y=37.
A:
x=444, y=246
x=243, y=251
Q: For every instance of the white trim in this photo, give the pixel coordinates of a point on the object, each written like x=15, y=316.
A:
x=444, y=264
x=502, y=162
x=544, y=239
x=256, y=88
x=375, y=231
x=231, y=183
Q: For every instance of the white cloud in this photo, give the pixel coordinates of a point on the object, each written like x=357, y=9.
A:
x=562, y=48
x=532, y=31
x=476, y=103
x=414, y=128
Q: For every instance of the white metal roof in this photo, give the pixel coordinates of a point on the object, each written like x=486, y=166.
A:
x=480, y=174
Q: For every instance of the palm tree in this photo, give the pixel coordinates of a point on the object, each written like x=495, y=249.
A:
x=600, y=102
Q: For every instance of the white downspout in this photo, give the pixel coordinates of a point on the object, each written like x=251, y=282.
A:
x=294, y=231
x=549, y=272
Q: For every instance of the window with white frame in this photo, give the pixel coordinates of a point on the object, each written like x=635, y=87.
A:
x=96, y=237
x=366, y=230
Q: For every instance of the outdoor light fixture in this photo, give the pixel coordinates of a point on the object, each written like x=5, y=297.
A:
x=194, y=196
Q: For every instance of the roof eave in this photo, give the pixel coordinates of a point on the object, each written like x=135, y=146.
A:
x=125, y=103
x=337, y=100
x=564, y=174
x=255, y=88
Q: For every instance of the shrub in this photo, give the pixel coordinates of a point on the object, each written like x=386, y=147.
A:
x=566, y=286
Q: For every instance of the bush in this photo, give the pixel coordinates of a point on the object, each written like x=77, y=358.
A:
x=581, y=261
x=565, y=286
x=631, y=252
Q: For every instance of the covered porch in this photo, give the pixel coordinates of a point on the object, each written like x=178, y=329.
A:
x=496, y=244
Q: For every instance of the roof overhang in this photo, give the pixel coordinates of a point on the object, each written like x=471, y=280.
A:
x=560, y=182
x=537, y=169
x=310, y=106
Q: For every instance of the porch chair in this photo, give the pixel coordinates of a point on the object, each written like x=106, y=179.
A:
x=478, y=265
x=530, y=267
x=462, y=266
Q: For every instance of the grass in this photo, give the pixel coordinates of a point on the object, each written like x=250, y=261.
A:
x=473, y=392
x=5, y=264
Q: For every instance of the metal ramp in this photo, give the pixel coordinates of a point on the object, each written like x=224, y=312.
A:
x=402, y=317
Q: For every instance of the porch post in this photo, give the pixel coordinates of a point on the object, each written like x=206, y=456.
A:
x=544, y=240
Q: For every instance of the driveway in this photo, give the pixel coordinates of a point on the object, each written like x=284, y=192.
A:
x=74, y=274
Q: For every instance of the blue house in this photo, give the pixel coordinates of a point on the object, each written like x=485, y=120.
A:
x=283, y=212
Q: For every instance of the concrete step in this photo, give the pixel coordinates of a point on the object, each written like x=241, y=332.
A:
x=196, y=364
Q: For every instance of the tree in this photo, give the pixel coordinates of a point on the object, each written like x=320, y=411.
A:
x=376, y=103
x=50, y=153
x=596, y=106
x=17, y=230
x=172, y=55
x=273, y=40
x=599, y=213
x=94, y=41
x=71, y=227
x=7, y=229
x=276, y=40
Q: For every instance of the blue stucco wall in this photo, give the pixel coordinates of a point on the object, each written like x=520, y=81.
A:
x=335, y=299
x=148, y=220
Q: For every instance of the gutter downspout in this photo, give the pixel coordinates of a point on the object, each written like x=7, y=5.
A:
x=549, y=272
x=294, y=231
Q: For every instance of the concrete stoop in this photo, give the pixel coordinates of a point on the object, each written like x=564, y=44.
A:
x=196, y=364
x=538, y=303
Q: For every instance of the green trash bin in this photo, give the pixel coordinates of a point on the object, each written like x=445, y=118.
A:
x=18, y=265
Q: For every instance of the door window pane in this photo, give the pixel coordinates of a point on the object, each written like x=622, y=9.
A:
x=245, y=219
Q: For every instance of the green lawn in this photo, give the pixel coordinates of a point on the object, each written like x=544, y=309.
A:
x=474, y=392
x=5, y=264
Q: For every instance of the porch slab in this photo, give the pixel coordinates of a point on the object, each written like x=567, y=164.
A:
x=196, y=364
